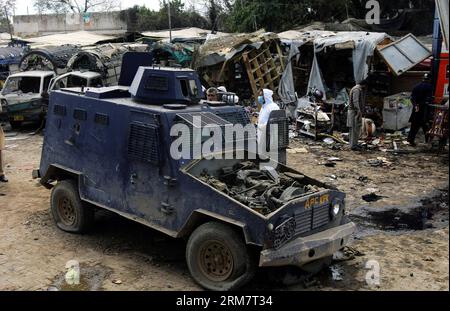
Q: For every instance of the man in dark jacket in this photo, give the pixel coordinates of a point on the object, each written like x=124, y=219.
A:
x=420, y=97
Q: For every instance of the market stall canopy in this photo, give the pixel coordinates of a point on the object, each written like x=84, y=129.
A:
x=404, y=54
x=217, y=50
x=192, y=32
x=304, y=35
x=340, y=40
x=83, y=38
x=362, y=44
x=180, y=52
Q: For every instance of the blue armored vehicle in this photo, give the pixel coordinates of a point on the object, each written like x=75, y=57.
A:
x=112, y=148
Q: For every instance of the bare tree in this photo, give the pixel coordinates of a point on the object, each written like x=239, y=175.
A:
x=6, y=11
x=7, y=7
x=76, y=6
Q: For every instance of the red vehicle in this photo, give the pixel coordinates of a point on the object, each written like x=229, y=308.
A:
x=441, y=90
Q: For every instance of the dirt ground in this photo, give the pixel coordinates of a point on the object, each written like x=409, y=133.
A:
x=411, y=248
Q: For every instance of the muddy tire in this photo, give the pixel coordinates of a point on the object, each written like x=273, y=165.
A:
x=69, y=212
x=218, y=258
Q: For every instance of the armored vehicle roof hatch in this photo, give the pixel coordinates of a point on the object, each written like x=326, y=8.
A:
x=161, y=86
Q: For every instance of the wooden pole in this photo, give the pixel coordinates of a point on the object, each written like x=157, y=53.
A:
x=170, y=21
x=9, y=25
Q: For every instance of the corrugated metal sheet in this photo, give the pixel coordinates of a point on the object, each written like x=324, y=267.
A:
x=192, y=32
x=83, y=38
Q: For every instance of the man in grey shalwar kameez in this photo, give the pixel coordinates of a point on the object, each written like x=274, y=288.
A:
x=355, y=113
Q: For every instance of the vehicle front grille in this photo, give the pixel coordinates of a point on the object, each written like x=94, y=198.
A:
x=303, y=222
x=311, y=219
x=321, y=216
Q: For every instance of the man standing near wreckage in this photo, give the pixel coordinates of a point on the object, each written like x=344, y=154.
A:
x=420, y=97
x=355, y=113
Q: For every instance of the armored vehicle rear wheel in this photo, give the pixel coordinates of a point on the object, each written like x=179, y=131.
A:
x=218, y=258
x=69, y=212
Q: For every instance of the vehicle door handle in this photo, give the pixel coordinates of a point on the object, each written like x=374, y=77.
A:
x=133, y=178
x=169, y=181
x=166, y=208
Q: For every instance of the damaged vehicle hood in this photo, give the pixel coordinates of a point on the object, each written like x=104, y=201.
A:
x=14, y=99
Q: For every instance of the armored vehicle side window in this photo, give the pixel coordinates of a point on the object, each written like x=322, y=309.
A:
x=184, y=88
x=97, y=82
x=80, y=114
x=143, y=143
x=47, y=82
x=193, y=87
x=101, y=119
x=59, y=110
x=188, y=88
x=157, y=83
x=74, y=81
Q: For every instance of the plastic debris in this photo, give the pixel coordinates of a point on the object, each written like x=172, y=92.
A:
x=336, y=273
x=363, y=179
x=328, y=140
x=297, y=150
x=372, y=197
x=334, y=159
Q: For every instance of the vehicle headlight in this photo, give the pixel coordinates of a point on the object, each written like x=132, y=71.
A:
x=335, y=209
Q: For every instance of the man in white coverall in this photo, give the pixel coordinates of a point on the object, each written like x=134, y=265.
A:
x=266, y=101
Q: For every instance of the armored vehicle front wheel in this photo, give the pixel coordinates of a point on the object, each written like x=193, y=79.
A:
x=69, y=212
x=218, y=258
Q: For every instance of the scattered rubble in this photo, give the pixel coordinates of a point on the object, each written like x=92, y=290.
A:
x=336, y=272
x=371, y=197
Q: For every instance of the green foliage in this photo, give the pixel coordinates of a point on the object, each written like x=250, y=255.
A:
x=276, y=15
x=249, y=15
x=180, y=17
x=6, y=8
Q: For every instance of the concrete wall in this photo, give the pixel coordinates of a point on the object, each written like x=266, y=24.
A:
x=34, y=25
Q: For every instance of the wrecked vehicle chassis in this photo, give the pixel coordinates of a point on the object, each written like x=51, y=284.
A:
x=305, y=225
x=103, y=149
